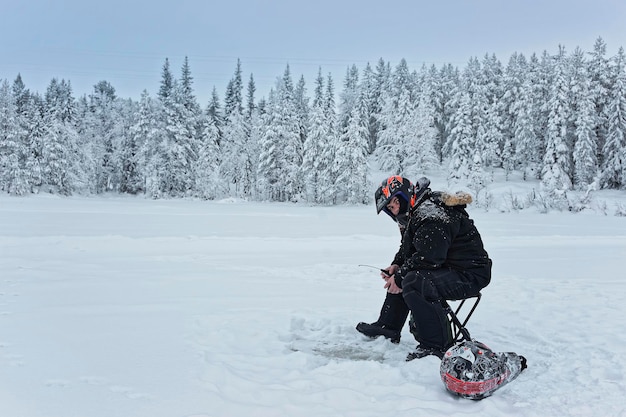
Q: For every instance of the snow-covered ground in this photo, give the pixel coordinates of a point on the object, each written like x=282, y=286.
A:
x=128, y=307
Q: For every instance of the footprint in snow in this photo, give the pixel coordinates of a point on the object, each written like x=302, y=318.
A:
x=130, y=393
x=57, y=383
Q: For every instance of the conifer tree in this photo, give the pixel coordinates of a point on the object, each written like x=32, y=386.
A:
x=527, y=150
x=348, y=97
x=368, y=101
x=491, y=127
x=327, y=189
x=289, y=134
x=13, y=152
x=302, y=109
x=131, y=179
x=351, y=181
x=233, y=101
x=421, y=154
x=142, y=133
x=166, y=88
x=314, y=165
x=467, y=140
x=104, y=130
x=60, y=150
x=614, y=149
x=29, y=117
x=461, y=142
x=601, y=84
x=235, y=167
x=584, y=123
x=208, y=184
x=444, y=91
x=215, y=115
x=512, y=110
x=270, y=153
x=250, y=104
x=398, y=110
x=557, y=165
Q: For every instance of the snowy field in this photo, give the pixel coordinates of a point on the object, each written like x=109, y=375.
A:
x=128, y=307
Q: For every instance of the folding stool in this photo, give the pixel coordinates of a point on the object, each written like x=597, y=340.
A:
x=459, y=331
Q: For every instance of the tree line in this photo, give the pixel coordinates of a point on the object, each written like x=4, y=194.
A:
x=558, y=118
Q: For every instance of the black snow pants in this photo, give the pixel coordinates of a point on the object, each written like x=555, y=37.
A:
x=423, y=291
x=394, y=312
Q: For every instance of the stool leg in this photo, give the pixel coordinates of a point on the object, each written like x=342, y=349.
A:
x=460, y=327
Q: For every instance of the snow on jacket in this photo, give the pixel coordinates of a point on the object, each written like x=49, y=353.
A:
x=440, y=234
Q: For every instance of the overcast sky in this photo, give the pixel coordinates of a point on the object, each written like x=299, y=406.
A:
x=126, y=42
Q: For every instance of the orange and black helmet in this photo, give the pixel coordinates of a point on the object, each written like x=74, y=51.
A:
x=392, y=187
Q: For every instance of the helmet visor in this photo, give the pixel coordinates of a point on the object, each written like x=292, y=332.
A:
x=381, y=200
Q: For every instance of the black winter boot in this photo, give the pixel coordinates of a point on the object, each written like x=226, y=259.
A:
x=393, y=314
x=376, y=329
x=423, y=351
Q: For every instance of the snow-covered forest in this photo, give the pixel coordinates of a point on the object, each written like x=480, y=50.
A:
x=558, y=118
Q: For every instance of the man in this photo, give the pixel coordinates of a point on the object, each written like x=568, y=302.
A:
x=441, y=256
x=396, y=197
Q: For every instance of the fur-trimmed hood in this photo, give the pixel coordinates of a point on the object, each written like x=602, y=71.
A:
x=460, y=198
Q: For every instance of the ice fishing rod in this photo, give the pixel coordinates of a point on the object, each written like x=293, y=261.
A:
x=384, y=271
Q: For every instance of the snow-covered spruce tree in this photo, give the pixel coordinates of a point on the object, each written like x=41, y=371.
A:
x=327, y=189
x=557, y=163
x=351, y=181
x=89, y=143
x=466, y=140
x=143, y=132
x=13, y=149
x=302, y=109
x=381, y=82
x=131, y=179
x=441, y=84
x=251, y=106
x=104, y=133
x=398, y=111
x=614, y=164
x=190, y=128
x=252, y=121
x=233, y=100
x=251, y=183
x=313, y=163
x=490, y=129
x=280, y=159
x=542, y=74
x=60, y=151
x=584, y=121
x=599, y=69
x=289, y=132
x=348, y=96
x=421, y=154
x=33, y=122
x=270, y=155
x=29, y=111
x=208, y=184
x=234, y=136
x=146, y=133
x=528, y=148
x=513, y=111
x=180, y=124
x=154, y=117
x=368, y=94
x=461, y=143
x=215, y=115
x=234, y=166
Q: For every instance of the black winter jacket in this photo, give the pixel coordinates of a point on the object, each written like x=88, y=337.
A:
x=442, y=236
